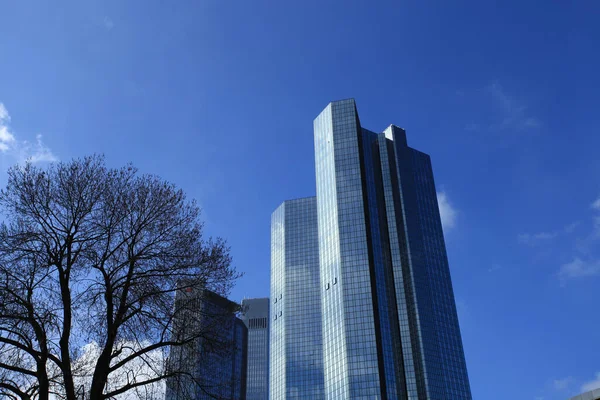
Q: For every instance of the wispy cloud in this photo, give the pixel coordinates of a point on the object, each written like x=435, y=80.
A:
x=571, y=227
x=36, y=151
x=596, y=204
x=507, y=112
x=535, y=238
x=563, y=384
x=494, y=267
x=21, y=150
x=596, y=218
x=579, y=268
x=587, y=263
x=108, y=23
x=591, y=385
x=588, y=243
x=448, y=213
x=471, y=126
x=515, y=115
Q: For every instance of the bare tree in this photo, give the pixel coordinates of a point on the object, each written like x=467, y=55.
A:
x=90, y=254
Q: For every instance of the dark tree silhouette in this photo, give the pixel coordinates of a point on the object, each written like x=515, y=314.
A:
x=90, y=254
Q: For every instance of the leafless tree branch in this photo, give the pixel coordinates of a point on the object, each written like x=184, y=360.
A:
x=90, y=254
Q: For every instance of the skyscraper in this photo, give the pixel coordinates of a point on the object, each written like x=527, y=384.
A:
x=255, y=314
x=389, y=322
x=296, y=355
x=214, y=362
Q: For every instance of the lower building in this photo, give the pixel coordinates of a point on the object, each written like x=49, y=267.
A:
x=255, y=314
x=296, y=347
x=213, y=364
x=591, y=395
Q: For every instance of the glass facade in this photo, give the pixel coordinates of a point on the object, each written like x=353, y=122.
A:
x=215, y=362
x=389, y=323
x=255, y=314
x=350, y=348
x=296, y=363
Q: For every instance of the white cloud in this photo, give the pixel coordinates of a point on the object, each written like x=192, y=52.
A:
x=6, y=137
x=579, y=268
x=535, y=238
x=591, y=385
x=545, y=235
x=447, y=212
x=140, y=369
x=36, y=152
x=3, y=113
x=22, y=150
x=515, y=116
x=587, y=247
x=562, y=384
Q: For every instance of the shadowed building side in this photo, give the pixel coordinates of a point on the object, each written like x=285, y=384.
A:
x=255, y=314
x=213, y=363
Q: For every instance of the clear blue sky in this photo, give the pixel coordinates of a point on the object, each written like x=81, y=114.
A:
x=219, y=96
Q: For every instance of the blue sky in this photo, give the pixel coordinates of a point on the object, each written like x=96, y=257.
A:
x=219, y=98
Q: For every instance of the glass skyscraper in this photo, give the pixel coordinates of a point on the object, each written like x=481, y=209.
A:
x=296, y=354
x=214, y=363
x=255, y=314
x=389, y=322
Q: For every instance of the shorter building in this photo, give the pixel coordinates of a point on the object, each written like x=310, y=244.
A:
x=213, y=364
x=591, y=395
x=296, y=344
x=255, y=314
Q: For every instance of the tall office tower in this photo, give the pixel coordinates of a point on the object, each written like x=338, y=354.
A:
x=296, y=354
x=255, y=314
x=390, y=328
x=215, y=361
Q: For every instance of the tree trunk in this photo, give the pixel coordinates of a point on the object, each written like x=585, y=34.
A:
x=100, y=376
x=42, y=375
x=65, y=351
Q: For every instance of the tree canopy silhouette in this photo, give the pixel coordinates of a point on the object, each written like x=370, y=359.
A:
x=91, y=254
